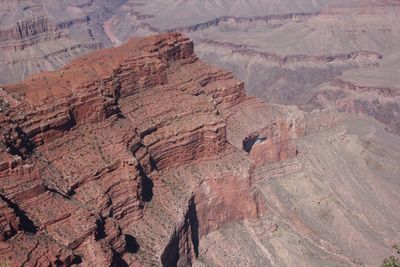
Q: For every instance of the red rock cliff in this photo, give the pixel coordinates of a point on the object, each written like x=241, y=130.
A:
x=129, y=155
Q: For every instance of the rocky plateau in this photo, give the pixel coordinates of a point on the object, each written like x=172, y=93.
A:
x=121, y=151
x=199, y=133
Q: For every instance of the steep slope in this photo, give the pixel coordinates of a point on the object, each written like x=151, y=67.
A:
x=336, y=204
x=144, y=148
x=162, y=15
x=40, y=35
x=159, y=159
x=287, y=53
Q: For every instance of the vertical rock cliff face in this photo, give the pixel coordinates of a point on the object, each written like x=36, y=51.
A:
x=130, y=155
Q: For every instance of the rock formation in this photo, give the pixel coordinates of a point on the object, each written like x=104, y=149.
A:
x=281, y=67
x=142, y=147
x=381, y=103
x=45, y=35
x=143, y=155
x=286, y=53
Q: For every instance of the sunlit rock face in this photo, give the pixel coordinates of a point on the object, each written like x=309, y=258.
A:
x=145, y=155
x=134, y=144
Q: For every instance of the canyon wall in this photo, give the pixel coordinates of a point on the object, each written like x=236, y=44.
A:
x=142, y=147
x=381, y=103
x=276, y=64
x=45, y=35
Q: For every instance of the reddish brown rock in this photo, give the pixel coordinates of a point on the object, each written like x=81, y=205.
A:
x=137, y=148
x=10, y=222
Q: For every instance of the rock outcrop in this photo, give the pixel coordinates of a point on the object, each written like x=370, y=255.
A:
x=363, y=58
x=381, y=103
x=45, y=35
x=137, y=148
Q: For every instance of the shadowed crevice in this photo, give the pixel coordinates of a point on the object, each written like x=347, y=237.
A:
x=118, y=261
x=194, y=226
x=250, y=141
x=184, y=238
x=26, y=223
x=77, y=260
x=25, y=146
x=147, y=185
x=131, y=244
x=100, y=232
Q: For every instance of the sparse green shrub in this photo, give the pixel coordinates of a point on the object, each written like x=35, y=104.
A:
x=5, y=264
x=391, y=262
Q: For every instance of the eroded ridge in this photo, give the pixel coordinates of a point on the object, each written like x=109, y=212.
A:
x=130, y=155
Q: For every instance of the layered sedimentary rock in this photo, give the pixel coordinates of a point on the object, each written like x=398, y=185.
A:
x=381, y=103
x=45, y=35
x=333, y=205
x=260, y=42
x=284, y=52
x=129, y=156
x=356, y=75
